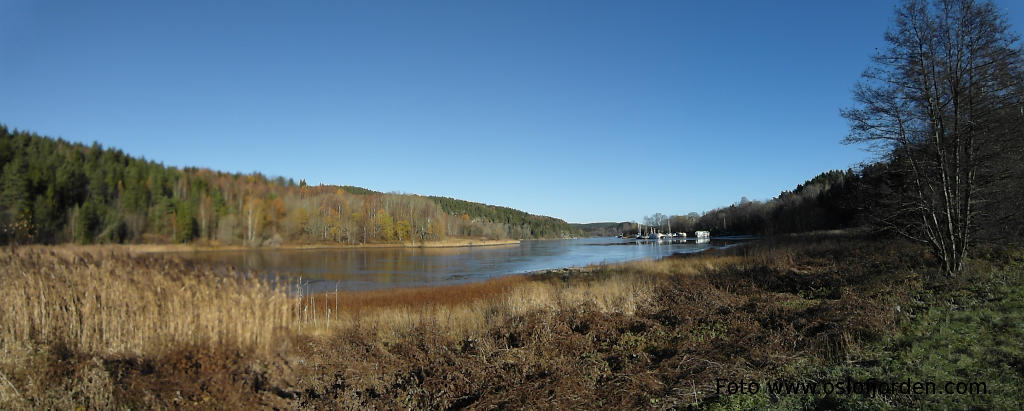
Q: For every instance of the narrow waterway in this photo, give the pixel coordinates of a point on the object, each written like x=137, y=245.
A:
x=373, y=268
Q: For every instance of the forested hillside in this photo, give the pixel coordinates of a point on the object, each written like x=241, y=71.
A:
x=873, y=196
x=830, y=200
x=53, y=191
x=538, y=226
x=605, y=229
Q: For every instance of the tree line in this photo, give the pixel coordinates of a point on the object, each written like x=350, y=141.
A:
x=527, y=225
x=831, y=200
x=942, y=106
x=54, y=191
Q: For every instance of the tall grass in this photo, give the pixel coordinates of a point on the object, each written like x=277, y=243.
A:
x=463, y=310
x=96, y=300
x=467, y=310
x=627, y=333
x=104, y=300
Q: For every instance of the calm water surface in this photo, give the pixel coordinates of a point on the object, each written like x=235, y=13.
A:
x=372, y=268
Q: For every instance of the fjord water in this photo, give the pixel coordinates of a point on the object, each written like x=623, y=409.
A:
x=372, y=268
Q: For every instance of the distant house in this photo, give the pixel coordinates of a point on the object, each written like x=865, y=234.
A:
x=703, y=234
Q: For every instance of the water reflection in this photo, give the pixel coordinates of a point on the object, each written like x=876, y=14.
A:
x=370, y=268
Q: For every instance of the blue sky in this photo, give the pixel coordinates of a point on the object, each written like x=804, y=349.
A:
x=586, y=111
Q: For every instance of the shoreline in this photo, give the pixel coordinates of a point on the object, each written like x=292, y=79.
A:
x=584, y=272
x=174, y=248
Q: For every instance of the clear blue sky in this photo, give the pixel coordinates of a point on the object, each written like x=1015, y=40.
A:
x=586, y=111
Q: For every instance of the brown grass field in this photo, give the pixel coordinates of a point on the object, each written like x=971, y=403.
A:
x=95, y=328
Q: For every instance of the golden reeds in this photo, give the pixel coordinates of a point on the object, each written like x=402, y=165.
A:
x=466, y=310
x=646, y=328
x=102, y=301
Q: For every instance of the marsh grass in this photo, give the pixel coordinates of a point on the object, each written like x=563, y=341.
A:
x=102, y=329
x=75, y=318
x=642, y=334
x=94, y=300
x=107, y=301
x=104, y=300
x=467, y=310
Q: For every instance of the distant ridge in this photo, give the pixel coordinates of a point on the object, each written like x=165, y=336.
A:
x=540, y=226
x=54, y=191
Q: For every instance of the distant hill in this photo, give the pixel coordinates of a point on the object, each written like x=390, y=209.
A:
x=54, y=191
x=831, y=200
x=605, y=229
x=834, y=199
x=538, y=226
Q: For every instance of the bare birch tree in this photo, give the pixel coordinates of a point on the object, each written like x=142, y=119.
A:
x=933, y=103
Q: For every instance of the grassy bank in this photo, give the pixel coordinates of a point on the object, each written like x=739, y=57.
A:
x=106, y=329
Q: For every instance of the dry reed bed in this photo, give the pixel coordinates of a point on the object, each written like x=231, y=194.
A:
x=105, y=300
x=676, y=325
x=463, y=310
x=95, y=300
x=467, y=310
x=622, y=334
